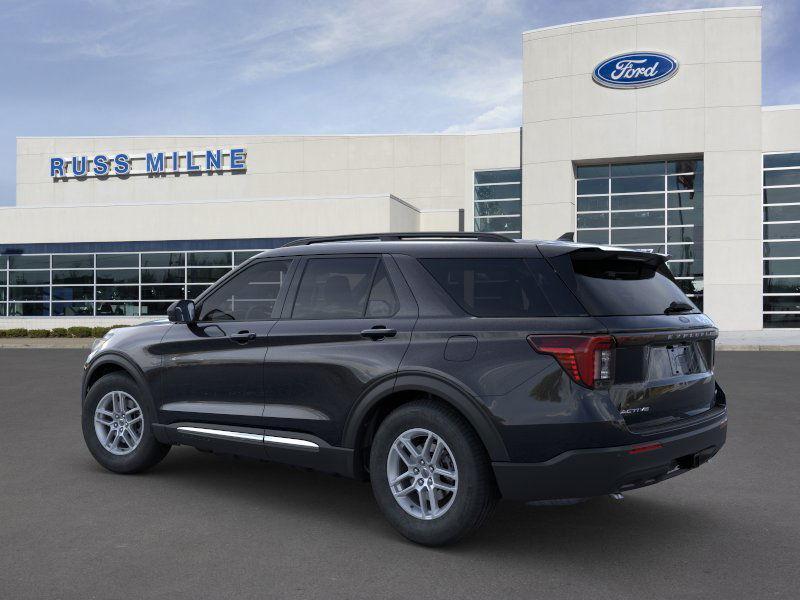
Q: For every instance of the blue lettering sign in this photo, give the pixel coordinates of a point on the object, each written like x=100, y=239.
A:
x=79, y=166
x=190, y=166
x=176, y=162
x=213, y=160
x=154, y=162
x=56, y=167
x=237, y=159
x=635, y=70
x=123, y=165
x=100, y=164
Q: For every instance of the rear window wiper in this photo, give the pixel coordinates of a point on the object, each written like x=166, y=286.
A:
x=676, y=307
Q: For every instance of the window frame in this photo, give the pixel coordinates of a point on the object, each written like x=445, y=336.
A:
x=294, y=288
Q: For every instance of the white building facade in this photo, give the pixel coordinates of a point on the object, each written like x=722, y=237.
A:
x=677, y=157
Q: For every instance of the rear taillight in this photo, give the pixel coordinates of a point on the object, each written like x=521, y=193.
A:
x=587, y=359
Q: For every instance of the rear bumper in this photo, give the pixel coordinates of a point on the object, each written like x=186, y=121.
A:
x=599, y=471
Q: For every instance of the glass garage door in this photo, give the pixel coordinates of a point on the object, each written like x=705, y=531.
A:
x=498, y=202
x=782, y=240
x=653, y=206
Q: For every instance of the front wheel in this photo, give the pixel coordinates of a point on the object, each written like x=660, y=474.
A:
x=430, y=473
x=116, y=426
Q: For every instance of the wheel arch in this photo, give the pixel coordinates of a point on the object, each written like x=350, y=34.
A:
x=106, y=364
x=370, y=411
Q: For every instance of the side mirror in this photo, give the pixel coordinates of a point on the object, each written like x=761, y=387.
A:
x=182, y=311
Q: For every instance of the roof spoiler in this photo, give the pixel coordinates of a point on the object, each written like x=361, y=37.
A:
x=567, y=237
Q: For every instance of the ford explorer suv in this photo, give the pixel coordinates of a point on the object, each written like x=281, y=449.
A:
x=448, y=369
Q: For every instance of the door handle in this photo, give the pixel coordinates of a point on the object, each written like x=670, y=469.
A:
x=243, y=337
x=378, y=333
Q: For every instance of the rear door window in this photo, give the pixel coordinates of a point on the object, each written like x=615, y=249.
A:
x=339, y=288
x=609, y=285
x=504, y=287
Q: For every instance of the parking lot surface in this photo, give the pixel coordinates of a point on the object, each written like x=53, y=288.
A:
x=201, y=526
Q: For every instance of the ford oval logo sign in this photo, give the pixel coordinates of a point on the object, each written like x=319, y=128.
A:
x=635, y=70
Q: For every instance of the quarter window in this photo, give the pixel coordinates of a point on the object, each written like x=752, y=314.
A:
x=247, y=296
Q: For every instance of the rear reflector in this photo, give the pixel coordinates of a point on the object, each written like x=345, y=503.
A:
x=587, y=359
x=647, y=448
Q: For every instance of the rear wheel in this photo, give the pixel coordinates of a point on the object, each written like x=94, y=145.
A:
x=116, y=424
x=430, y=473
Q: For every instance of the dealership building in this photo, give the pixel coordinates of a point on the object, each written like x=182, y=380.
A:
x=643, y=131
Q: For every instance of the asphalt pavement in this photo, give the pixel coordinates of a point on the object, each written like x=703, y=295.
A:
x=202, y=526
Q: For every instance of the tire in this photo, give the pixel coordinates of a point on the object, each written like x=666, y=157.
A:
x=125, y=457
x=462, y=511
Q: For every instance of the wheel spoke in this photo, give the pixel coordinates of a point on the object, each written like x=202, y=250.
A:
x=400, y=478
x=404, y=491
x=135, y=420
x=433, y=503
x=445, y=487
x=426, y=448
x=107, y=423
x=422, y=503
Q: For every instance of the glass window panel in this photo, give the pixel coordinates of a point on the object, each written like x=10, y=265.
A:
x=205, y=275
x=681, y=251
x=782, y=303
x=788, y=177
x=782, y=195
x=195, y=290
x=2, y=294
x=587, y=171
x=593, y=220
x=2, y=310
x=637, y=201
x=684, y=166
x=118, y=276
x=210, y=259
x=782, y=267
x=383, y=301
x=637, y=236
x=789, y=159
x=2, y=277
x=3, y=262
x=250, y=294
x=154, y=308
x=782, y=285
x=594, y=203
x=499, y=176
x=117, y=292
x=782, y=249
x=85, y=276
x=593, y=237
x=638, y=219
x=684, y=217
x=29, y=293
x=29, y=277
x=684, y=182
x=163, y=259
x=648, y=168
x=28, y=309
x=637, y=184
x=776, y=321
x=242, y=255
x=592, y=186
x=498, y=192
x=117, y=260
x=117, y=309
x=163, y=275
x=680, y=234
x=681, y=269
x=782, y=231
x=508, y=207
x=73, y=292
x=499, y=224
x=691, y=286
x=22, y=261
x=685, y=200
x=73, y=261
x=782, y=213
x=73, y=309
x=162, y=292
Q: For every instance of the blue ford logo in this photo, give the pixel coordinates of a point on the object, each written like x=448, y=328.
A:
x=635, y=70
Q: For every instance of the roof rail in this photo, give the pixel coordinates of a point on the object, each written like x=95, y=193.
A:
x=399, y=237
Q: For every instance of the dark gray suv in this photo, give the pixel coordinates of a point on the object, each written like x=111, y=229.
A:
x=447, y=369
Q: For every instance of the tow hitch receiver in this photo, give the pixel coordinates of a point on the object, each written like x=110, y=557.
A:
x=693, y=461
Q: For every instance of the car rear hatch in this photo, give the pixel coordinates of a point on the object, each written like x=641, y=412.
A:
x=663, y=357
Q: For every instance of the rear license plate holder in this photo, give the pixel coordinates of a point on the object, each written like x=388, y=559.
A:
x=677, y=359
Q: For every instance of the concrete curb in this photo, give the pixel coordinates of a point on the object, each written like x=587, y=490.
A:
x=757, y=348
x=46, y=343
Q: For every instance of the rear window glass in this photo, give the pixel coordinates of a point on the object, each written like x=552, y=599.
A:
x=610, y=285
x=503, y=287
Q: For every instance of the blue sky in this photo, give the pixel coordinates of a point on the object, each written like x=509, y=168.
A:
x=151, y=67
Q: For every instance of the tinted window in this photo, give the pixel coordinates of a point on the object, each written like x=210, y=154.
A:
x=610, y=285
x=334, y=288
x=503, y=287
x=248, y=296
x=382, y=299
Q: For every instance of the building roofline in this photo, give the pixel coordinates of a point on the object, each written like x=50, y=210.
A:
x=652, y=14
x=267, y=135
x=781, y=107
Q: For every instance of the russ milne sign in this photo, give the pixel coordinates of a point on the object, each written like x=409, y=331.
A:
x=151, y=163
x=635, y=70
